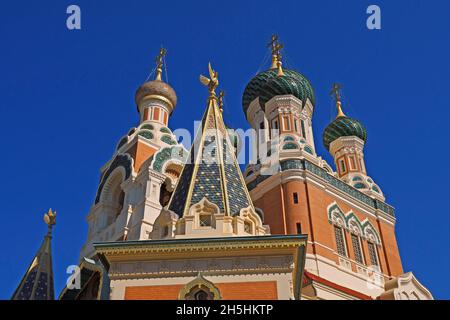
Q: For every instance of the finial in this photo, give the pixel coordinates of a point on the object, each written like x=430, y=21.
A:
x=212, y=82
x=159, y=63
x=275, y=47
x=50, y=219
x=221, y=95
x=337, y=96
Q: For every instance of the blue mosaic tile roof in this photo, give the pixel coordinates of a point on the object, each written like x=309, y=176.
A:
x=37, y=283
x=212, y=172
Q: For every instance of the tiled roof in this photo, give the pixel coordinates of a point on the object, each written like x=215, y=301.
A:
x=212, y=171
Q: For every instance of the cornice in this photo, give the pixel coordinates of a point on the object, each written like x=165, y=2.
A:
x=154, y=248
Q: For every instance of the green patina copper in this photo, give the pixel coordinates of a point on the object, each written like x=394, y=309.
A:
x=268, y=84
x=343, y=127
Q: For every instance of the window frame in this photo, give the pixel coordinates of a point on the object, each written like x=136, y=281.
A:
x=342, y=238
x=357, y=248
x=286, y=123
x=373, y=253
x=295, y=198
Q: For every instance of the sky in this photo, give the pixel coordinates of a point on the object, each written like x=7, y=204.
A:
x=67, y=97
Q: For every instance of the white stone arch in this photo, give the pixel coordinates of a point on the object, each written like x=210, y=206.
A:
x=204, y=208
x=188, y=292
x=112, y=197
x=370, y=233
x=249, y=216
x=353, y=224
x=260, y=213
x=111, y=185
x=173, y=165
x=336, y=215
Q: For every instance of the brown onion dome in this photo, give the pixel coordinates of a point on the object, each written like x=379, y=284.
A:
x=160, y=90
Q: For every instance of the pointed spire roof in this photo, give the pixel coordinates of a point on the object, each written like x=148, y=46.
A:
x=37, y=283
x=211, y=171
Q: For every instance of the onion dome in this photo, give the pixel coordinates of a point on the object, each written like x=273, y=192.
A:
x=269, y=84
x=343, y=126
x=157, y=88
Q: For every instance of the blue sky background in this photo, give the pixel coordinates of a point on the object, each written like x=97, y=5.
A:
x=67, y=97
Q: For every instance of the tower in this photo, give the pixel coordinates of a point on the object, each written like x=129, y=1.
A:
x=345, y=139
x=140, y=176
x=37, y=283
x=352, y=250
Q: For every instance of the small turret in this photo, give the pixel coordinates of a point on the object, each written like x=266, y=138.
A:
x=345, y=139
x=156, y=99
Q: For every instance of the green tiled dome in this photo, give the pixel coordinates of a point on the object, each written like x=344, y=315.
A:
x=267, y=85
x=343, y=127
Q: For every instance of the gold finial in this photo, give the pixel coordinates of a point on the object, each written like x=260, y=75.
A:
x=275, y=47
x=212, y=82
x=159, y=63
x=336, y=92
x=221, y=95
x=50, y=219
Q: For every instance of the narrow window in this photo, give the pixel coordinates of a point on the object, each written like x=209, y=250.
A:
x=340, y=241
x=287, y=124
x=248, y=227
x=296, y=125
x=373, y=254
x=303, y=129
x=342, y=165
x=352, y=163
x=299, y=228
x=357, y=249
x=295, y=196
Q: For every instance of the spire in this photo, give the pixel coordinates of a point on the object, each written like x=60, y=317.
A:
x=275, y=47
x=159, y=63
x=37, y=283
x=211, y=171
x=337, y=96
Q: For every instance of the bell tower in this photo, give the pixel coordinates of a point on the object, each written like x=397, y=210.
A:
x=137, y=182
x=345, y=139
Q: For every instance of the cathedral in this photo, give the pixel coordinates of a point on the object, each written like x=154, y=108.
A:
x=177, y=224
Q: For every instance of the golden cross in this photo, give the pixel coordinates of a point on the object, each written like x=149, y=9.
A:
x=275, y=46
x=335, y=91
x=159, y=63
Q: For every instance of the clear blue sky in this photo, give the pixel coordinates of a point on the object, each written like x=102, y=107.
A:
x=67, y=97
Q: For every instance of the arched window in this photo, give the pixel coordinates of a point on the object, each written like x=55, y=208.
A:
x=199, y=289
x=200, y=293
x=340, y=241
x=356, y=244
x=373, y=254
